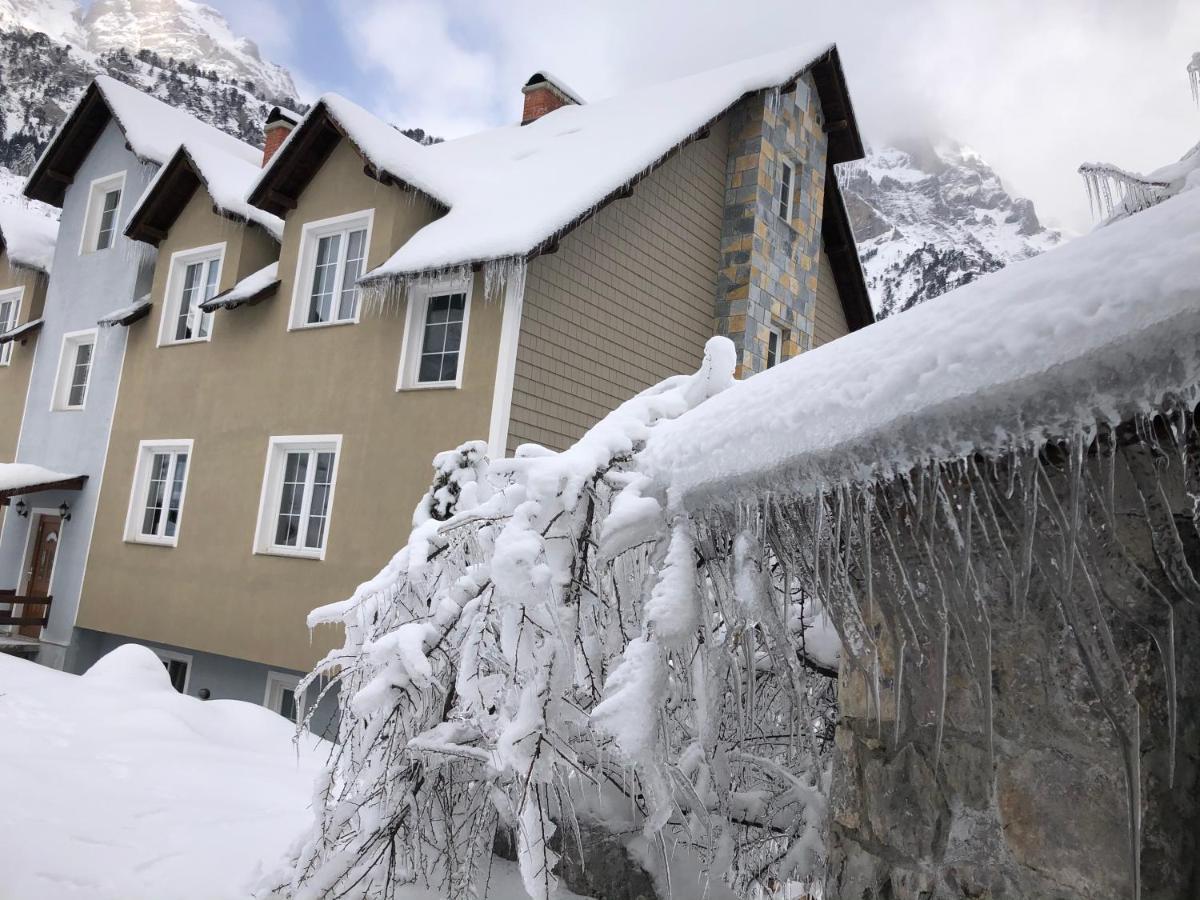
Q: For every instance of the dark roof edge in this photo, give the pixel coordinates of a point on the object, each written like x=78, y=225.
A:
x=842, y=252
x=48, y=184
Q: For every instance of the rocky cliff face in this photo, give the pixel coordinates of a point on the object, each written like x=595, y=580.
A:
x=932, y=218
x=49, y=53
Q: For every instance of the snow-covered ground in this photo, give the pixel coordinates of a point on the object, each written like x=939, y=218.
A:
x=115, y=786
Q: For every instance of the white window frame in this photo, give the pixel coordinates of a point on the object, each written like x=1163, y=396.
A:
x=66, y=369
x=310, y=236
x=277, y=683
x=90, y=234
x=778, y=332
x=278, y=448
x=17, y=296
x=786, y=214
x=414, y=332
x=173, y=292
x=176, y=656
x=141, y=484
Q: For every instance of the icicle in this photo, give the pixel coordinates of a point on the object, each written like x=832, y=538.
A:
x=1193, y=70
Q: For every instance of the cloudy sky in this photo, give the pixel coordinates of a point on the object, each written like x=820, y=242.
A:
x=1035, y=86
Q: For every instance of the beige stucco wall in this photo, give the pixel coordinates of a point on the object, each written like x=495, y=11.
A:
x=626, y=301
x=829, y=316
x=256, y=379
x=14, y=378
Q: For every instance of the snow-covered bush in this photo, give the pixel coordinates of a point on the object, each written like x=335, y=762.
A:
x=548, y=651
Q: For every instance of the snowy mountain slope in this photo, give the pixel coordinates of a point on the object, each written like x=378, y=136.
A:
x=62, y=20
x=929, y=218
x=189, y=32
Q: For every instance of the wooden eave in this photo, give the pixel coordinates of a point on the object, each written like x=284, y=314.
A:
x=302, y=156
x=219, y=301
x=841, y=125
x=56, y=169
x=172, y=190
x=22, y=333
x=67, y=484
x=842, y=252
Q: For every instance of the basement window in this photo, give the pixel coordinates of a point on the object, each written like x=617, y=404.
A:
x=333, y=256
x=787, y=187
x=103, y=216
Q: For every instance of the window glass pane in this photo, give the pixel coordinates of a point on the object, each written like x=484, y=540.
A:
x=785, y=190
x=287, y=704
x=191, y=287
x=177, y=671
x=180, y=475
x=291, y=500
x=204, y=319
x=772, y=349
x=356, y=252
x=324, y=272
x=442, y=338
x=108, y=220
x=318, y=508
x=79, y=375
x=155, y=490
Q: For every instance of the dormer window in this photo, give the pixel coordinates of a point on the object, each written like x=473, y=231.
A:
x=787, y=187
x=192, y=278
x=103, y=215
x=333, y=256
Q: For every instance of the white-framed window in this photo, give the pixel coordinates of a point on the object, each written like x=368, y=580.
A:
x=10, y=309
x=102, y=221
x=787, y=188
x=281, y=695
x=435, y=335
x=159, y=488
x=192, y=277
x=178, y=666
x=297, y=495
x=333, y=255
x=774, y=346
x=74, y=370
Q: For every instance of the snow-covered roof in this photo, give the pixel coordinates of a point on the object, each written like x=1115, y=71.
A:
x=16, y=478
x=27, y=237
x=509, y=190
x=256, y=286
x=154, y=131
x=1099, y=329
x=21, y=331
x=226, y=177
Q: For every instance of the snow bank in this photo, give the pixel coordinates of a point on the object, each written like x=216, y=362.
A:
x=122, y=788
x=1097, y=330
x=27, y=237
x=509, y=189
x=14, y=476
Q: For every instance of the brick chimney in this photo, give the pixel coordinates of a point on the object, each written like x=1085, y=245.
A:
x=279, y=125
x=544, y=94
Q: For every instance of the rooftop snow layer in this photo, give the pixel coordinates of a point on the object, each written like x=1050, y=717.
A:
x=509, y=189
x=27, y=236
x=1097, y=330
x=252, y=287
x=227, y=178
x=15, y=476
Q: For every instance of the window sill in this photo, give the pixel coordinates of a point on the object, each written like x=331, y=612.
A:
x=430, y=386
x=153, y=541
x=185, y=341
x=66, y=409
x=291, y=553
x=310, y=326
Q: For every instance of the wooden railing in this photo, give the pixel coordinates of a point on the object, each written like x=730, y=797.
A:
x=12, y=597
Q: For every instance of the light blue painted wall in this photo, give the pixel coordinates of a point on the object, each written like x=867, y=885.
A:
x=83, y=288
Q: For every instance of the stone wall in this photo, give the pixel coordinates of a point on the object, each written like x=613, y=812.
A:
x=1046, y=816
x=769, y=267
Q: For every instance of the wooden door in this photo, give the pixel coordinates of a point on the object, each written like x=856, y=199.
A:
x=41, y=566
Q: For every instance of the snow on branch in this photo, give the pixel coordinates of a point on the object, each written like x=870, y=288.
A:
x=549, y=652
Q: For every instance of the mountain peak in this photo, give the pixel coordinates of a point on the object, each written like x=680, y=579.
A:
x=186, y=30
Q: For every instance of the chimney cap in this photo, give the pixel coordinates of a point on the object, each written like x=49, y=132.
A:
x=279, y=114
x=543, y=78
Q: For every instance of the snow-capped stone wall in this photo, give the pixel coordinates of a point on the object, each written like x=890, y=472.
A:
x=768, y=274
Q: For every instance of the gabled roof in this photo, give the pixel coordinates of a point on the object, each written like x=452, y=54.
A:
x=512, y=191
x=27, y=237
x=153, y=131
x=226, y=179
x=842, y=253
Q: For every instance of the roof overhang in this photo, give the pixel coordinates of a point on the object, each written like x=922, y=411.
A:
x=842, y=252
x=36, y=485
x=841, y=125
x=306, y=149
x=22, y=333
x=55, y=170
x=229, y=300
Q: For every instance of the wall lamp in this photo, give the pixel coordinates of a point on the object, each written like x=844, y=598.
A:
x=64, y=512
x=21, y=509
